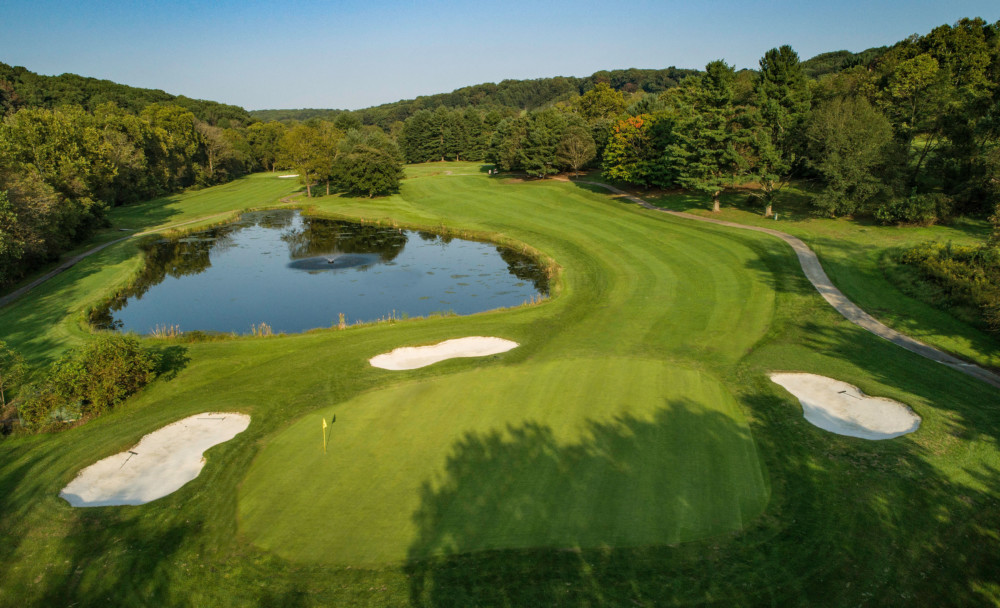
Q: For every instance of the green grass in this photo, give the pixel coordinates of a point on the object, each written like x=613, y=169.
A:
x=612, y=452
x=853, y=254
x=45, y=323
x=541, y=477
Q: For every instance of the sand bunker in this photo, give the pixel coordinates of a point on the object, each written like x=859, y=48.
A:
x=412, y=357
x=843, y=409
x=287, y=176
x=159, y=464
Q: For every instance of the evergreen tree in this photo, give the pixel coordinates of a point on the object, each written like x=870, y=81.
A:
x=782, y=100
x=538, y=152
x=707, y=134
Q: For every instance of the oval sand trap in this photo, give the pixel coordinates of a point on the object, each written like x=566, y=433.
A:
x=843, y=409
x=158, y=465
x=412, y=357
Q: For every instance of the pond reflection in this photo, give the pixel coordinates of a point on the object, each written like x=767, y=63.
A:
x=296, y=273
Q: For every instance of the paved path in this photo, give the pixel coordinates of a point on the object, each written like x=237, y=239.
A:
x=851, y=311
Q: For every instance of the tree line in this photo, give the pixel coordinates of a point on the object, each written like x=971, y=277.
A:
x=905, y=134
x=909, y=137
x=61, y=169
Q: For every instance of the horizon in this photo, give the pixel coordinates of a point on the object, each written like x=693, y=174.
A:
x=371, y=55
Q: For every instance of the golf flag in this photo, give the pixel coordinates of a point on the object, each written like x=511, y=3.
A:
x=324, y=435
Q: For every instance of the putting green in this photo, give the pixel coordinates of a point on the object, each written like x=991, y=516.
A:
x=639, y=452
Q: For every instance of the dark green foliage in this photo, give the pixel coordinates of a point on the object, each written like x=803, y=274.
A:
x=708, y=134
x=368, y=163
x=829, y=63
x=781, y=95
x=918, y=209
x=12, y=371
x=538, y=153
x=34, y=90
x=963, y=278
x=445, y=135
x=508, y=94
x=846, y=141
x=506, y=143
x=264, y=139
x=91, y=380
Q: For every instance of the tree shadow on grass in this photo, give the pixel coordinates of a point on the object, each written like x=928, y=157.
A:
x=108, y=556
x=850, y=522
x=172, y=359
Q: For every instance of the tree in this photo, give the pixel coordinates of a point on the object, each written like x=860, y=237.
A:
x=707, y=134
x=576, y=148
x=12, y=370
x=506, y=143
x=637, y=151
x=302, y=149
x=782, y=99
x=538, y=152
x=368, y=163
x=846, y=141
x=217, y=148
x=265, y=139
x=601, y=102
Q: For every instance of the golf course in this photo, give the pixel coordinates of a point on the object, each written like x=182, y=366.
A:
x=630, y=451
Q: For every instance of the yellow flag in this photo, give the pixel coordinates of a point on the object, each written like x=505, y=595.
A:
x=324, y=424
x=324, y=435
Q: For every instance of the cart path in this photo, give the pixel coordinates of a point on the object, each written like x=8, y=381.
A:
x=817, y=276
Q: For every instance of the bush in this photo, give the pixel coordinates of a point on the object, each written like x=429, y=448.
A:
x=920, y=209
x=968, y=277
x=91, y=380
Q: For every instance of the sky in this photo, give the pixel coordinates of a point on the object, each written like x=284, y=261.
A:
x=353, y=54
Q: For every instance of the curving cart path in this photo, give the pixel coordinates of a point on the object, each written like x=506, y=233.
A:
x=817, y=276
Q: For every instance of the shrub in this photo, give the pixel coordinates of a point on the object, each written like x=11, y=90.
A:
x=91, y=380
x=920, y=209
x=968, y=277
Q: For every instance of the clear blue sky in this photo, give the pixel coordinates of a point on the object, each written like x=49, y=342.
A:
x=354, y=54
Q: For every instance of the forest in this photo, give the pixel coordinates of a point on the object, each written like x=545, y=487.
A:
x=905, y=134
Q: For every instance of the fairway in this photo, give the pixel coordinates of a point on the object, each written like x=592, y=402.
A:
x=579, y=454
x=632, y=447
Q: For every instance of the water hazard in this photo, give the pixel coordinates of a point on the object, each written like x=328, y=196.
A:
x=295, y=273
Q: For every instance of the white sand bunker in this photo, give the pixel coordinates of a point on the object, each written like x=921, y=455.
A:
x=843, y=409
x=412, y=357
x=287, y=176
x=159, y=464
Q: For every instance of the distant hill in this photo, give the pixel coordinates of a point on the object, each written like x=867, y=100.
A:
x=34, y=90
x=518, y=94
x=835, y=61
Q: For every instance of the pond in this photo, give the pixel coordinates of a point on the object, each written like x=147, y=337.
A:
x=295, y=273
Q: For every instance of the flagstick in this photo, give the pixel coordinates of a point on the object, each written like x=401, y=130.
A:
x=324, y=435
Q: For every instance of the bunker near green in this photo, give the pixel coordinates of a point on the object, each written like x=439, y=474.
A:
x=415, y=357
x=577, y=453
x=160, y=464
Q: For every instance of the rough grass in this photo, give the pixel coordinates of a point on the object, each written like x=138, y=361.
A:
x=904, y=522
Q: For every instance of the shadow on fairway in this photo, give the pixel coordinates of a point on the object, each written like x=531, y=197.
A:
x=850, y=522
x=172, y=359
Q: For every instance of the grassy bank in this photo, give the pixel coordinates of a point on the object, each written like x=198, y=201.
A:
x=636, y=414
